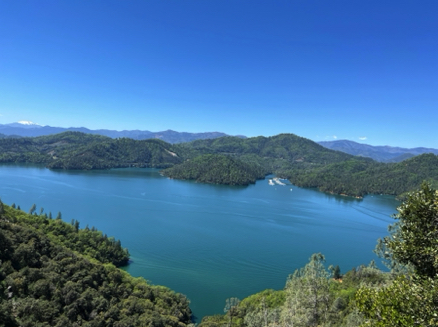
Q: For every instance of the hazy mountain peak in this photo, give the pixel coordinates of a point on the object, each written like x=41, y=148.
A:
x=383, y=153
x=23, y=124
x=27, y=122
x=30, y=129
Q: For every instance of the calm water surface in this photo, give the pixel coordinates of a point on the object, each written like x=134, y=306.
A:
x=209, y=242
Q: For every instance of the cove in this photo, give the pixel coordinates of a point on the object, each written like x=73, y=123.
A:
x=209, y=242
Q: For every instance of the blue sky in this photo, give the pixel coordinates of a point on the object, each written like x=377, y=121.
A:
x=360, y=70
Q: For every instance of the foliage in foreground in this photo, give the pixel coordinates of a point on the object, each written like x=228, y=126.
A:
x=44, y=282
x=311, y=297
x=412, y=299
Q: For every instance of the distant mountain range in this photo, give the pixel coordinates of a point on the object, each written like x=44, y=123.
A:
x=29, y=129
x=378, y=153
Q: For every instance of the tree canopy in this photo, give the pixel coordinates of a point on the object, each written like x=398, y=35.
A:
x=217, y=169
x=412, y=299
x=54, y=274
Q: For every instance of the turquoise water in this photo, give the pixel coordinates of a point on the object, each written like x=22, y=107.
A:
x=210, y=242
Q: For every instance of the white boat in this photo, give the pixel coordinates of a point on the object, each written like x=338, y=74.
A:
x=277, y=180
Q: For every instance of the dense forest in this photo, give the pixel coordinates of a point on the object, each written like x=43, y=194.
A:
x=404, y=296
x=218, y=169
x=229, y=160
x=8, y=136
x=54, y=274
x=74, y=150
x=307, y=164
x=357, y=177
x=274, y=153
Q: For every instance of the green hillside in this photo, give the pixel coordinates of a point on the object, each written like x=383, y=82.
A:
x=236, y=161
x=55, y=274
x=274, y=153
x=217, y=169
x=357, y=177
x=74, y=150
x=307, y=164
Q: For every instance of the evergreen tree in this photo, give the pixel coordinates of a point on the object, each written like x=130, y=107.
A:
x=307, y=294
x=262, y=315
x=231, y=308
x=32, y=208
x=336, y=272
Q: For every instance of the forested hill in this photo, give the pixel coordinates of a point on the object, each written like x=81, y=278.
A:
x=74, y=150
x=218, y=169
x=308, y=164
x=54, y=274
x=357, y=177
x=240, y=161
x=274, y=154
x=288, y=147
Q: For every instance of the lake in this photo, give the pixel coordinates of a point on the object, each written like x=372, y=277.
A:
x=210, y=242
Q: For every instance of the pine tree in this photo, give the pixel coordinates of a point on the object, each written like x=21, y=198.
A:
x=308, y=294
x=32, y=209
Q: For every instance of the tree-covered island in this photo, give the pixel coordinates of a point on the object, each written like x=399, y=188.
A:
x=218, y=169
